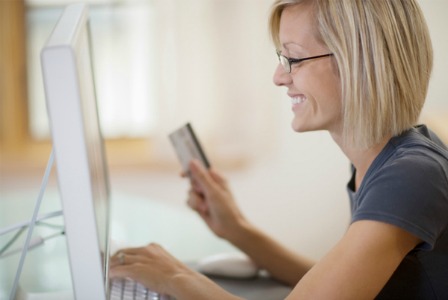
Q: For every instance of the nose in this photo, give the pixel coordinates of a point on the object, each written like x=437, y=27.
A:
x=281, y=77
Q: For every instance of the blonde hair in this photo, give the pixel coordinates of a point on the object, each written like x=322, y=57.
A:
x=384, y=56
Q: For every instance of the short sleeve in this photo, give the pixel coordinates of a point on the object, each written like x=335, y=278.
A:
x=412, y=193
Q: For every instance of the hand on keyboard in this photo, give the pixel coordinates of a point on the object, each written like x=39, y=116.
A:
x=127, y=289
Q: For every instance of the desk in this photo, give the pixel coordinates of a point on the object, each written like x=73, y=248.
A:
x=134, y=222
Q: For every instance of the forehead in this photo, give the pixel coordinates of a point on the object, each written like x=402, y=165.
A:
x=298, y=27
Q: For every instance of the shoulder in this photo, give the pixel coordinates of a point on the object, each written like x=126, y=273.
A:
x=416, y=155
x=407, y=186
x=419, y=140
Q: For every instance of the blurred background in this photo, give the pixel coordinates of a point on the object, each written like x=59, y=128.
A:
x=161, y=63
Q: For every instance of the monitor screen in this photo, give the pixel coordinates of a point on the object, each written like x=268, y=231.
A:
x=79, y=150
x=93, y=137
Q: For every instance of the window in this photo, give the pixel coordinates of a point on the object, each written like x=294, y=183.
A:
x=123, y=70
x=122, y=55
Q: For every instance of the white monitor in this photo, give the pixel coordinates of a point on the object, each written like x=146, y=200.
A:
x=79, y=151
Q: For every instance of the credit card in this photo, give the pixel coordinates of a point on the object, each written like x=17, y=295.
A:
x=187, y=147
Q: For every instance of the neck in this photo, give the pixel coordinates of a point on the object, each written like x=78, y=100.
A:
x=361, y=158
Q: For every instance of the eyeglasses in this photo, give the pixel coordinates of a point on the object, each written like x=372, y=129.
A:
x=286, y=62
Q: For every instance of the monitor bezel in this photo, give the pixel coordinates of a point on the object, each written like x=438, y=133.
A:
x=89, y=267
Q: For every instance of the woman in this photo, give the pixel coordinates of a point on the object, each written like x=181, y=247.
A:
x=360, y=70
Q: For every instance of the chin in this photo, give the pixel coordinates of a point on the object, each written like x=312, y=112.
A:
x=300, y=127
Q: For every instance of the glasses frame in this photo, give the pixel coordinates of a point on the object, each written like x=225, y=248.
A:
x=286, y=62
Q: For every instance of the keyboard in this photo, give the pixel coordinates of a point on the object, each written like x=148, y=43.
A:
x=127, y=289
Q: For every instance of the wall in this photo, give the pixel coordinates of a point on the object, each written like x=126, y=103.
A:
x=434, y=11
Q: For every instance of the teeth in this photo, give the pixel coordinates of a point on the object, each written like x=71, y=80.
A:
x=297, y=100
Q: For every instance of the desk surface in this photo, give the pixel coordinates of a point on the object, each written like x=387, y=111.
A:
x=47, y=270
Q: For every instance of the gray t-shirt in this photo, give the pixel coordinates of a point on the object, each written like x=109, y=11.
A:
x=407, y=186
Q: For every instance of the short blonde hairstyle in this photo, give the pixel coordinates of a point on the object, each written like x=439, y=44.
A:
x=384, y=56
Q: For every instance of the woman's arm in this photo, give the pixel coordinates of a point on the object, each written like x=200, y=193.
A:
x=281, y=263
x=360, y=265
x=210, y=196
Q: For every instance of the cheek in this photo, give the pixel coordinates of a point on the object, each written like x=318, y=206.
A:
x=334, y=90
x=323, y=91
x=328, y=84
x=329, y=90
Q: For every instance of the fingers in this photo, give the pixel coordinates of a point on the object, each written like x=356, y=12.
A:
x=121, y=258
x=129, y=259
x=125, y=254
x=128, y=251
x=218, y=178
x=140, y=255
x=192, y=199
x=200, y=174
x=125, y=271
x=196, y=202
x=196, y=186
x=136, y=272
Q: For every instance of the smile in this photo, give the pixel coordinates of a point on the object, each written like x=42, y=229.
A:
x=298, y=99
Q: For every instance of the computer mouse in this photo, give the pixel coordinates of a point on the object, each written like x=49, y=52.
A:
x=231, y=265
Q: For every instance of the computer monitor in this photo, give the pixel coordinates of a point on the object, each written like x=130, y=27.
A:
x=79, y=150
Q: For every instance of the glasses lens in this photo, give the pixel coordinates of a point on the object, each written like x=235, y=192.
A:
x=285, y=63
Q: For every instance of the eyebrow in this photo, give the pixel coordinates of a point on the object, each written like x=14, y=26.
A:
x=288, y=44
